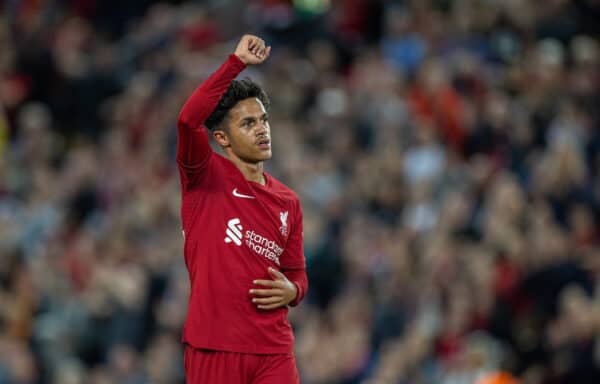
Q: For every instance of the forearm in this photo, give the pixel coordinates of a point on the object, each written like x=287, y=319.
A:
x=300, y=280
x=206, y=97
x=193, y=147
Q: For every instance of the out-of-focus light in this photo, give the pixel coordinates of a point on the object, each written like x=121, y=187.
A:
x=498, y=378
x=312, y=6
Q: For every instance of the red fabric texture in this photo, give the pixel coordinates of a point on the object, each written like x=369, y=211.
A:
x=216, y=367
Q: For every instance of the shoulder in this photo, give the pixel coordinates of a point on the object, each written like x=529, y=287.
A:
x=223, y=164
x=220, y=159
x=217, y=168
x=282, y=190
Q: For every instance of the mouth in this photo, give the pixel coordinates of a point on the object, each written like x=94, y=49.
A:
x=264, y=143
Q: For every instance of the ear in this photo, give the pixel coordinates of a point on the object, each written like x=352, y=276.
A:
x=221, y=138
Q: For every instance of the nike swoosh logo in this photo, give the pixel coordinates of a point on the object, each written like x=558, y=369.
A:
x=237, y=194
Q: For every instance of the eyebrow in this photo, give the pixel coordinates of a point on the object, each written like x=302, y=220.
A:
x=252, y=118
x=247, y=120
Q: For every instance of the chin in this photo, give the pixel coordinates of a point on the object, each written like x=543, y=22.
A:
x=258, y=158
x=264, y=155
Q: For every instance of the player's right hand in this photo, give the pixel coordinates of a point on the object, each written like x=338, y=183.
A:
x=252, y=50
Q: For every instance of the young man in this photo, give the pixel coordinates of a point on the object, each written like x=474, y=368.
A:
x=243, y=234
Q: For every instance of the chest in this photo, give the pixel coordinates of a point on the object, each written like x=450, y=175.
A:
x=239, y=212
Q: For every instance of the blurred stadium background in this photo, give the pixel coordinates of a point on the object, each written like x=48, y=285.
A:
x=447, y=154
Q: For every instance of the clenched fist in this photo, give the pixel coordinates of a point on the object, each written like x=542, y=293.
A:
x=252, y=50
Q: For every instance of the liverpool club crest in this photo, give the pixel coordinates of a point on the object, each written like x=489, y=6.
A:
x=284, y=227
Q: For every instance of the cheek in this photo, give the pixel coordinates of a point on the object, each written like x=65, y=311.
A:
x=242, y=140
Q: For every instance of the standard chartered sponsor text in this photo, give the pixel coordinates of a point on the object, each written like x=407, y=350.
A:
x=263, y=246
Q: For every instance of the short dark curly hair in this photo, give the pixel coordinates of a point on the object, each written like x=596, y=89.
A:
x=238, y=90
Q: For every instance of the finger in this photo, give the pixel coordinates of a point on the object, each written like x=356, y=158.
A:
x=265, y=52
x=276, y=274
x=255, y=46
x=268, y=300
x=269, y=283
x=251, y=43
x=266, y=292
x=270, y=306
x=259, y=47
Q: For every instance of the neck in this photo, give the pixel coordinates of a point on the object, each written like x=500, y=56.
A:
x=251, y=171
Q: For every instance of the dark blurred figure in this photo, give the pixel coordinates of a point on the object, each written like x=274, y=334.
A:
x=446, y=153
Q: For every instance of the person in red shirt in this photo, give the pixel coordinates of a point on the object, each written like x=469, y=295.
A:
x=243, y=233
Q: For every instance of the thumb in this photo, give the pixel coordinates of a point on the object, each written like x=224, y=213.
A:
x=276, y=274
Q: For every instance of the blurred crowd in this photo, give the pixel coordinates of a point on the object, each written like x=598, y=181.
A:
x=447, y=155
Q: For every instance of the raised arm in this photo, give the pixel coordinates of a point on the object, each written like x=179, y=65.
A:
x=193, y=149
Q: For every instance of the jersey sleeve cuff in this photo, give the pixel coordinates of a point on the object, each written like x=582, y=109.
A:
x=299, y=295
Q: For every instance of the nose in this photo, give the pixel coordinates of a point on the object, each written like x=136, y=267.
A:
x=261, y=129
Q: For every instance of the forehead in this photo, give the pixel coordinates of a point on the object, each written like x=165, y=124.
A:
x=251, y=107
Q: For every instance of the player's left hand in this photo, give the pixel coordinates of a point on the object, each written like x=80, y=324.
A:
x=280, y=291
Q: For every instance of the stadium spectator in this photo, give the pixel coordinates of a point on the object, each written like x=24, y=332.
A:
x=447, y=155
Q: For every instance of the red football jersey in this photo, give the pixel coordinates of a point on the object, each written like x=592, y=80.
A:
x=234, y=231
